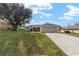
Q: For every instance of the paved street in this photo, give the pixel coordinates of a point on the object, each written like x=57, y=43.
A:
x=69, y=44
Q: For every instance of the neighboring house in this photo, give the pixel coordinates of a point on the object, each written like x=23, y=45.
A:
x=22, y=27
x=4, y=25
x=47, y=28
x=74, y=29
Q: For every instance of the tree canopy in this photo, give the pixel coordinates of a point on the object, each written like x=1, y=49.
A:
x=15, y=14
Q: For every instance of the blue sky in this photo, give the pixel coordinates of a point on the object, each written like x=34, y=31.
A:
x=61, y=12
x=56, y=13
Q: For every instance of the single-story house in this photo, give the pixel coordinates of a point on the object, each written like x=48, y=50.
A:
x=47, y=28
x=74, y=29
x=4, y=25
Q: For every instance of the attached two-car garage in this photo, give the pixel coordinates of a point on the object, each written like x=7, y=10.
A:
x=49, y=29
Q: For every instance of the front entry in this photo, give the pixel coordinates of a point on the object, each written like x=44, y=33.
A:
x=36, y=29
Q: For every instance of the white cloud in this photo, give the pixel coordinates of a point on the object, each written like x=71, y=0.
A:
x=66, y=17
x=37, y=2
x=73, y=11
x=46, y=15
x=38, y=6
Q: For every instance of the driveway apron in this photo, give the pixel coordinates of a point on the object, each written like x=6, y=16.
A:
x=68, y=44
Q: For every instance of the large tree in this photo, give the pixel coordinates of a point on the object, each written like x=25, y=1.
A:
x=15, y=14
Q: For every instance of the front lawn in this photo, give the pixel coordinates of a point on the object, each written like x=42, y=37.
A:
x=73, y=34
x=23, y=43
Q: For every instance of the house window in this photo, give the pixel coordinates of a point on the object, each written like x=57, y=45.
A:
x=36, y=29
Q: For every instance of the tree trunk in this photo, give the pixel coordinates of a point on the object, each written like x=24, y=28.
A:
x=14, y=27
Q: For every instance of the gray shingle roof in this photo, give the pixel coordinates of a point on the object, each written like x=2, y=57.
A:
x=46, y=25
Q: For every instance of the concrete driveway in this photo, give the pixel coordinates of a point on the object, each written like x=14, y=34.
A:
x=68, y=44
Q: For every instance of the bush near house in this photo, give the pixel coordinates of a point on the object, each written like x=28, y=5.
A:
x=67, y=32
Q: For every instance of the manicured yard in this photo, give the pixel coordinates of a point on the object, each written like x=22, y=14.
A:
x=27, y=43
x=73, y=34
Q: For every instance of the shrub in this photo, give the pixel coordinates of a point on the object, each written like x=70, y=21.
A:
x=67, y=31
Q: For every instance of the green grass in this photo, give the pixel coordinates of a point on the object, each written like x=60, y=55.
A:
x=73, y=34
x=23, y=43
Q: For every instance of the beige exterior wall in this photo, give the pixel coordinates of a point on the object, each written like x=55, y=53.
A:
x=72, y=31
x=4, y=25
x=49, y=29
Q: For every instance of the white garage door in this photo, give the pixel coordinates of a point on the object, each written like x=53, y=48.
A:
x=49, y=29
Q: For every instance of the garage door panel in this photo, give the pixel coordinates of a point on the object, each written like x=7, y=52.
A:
x=49, y=29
